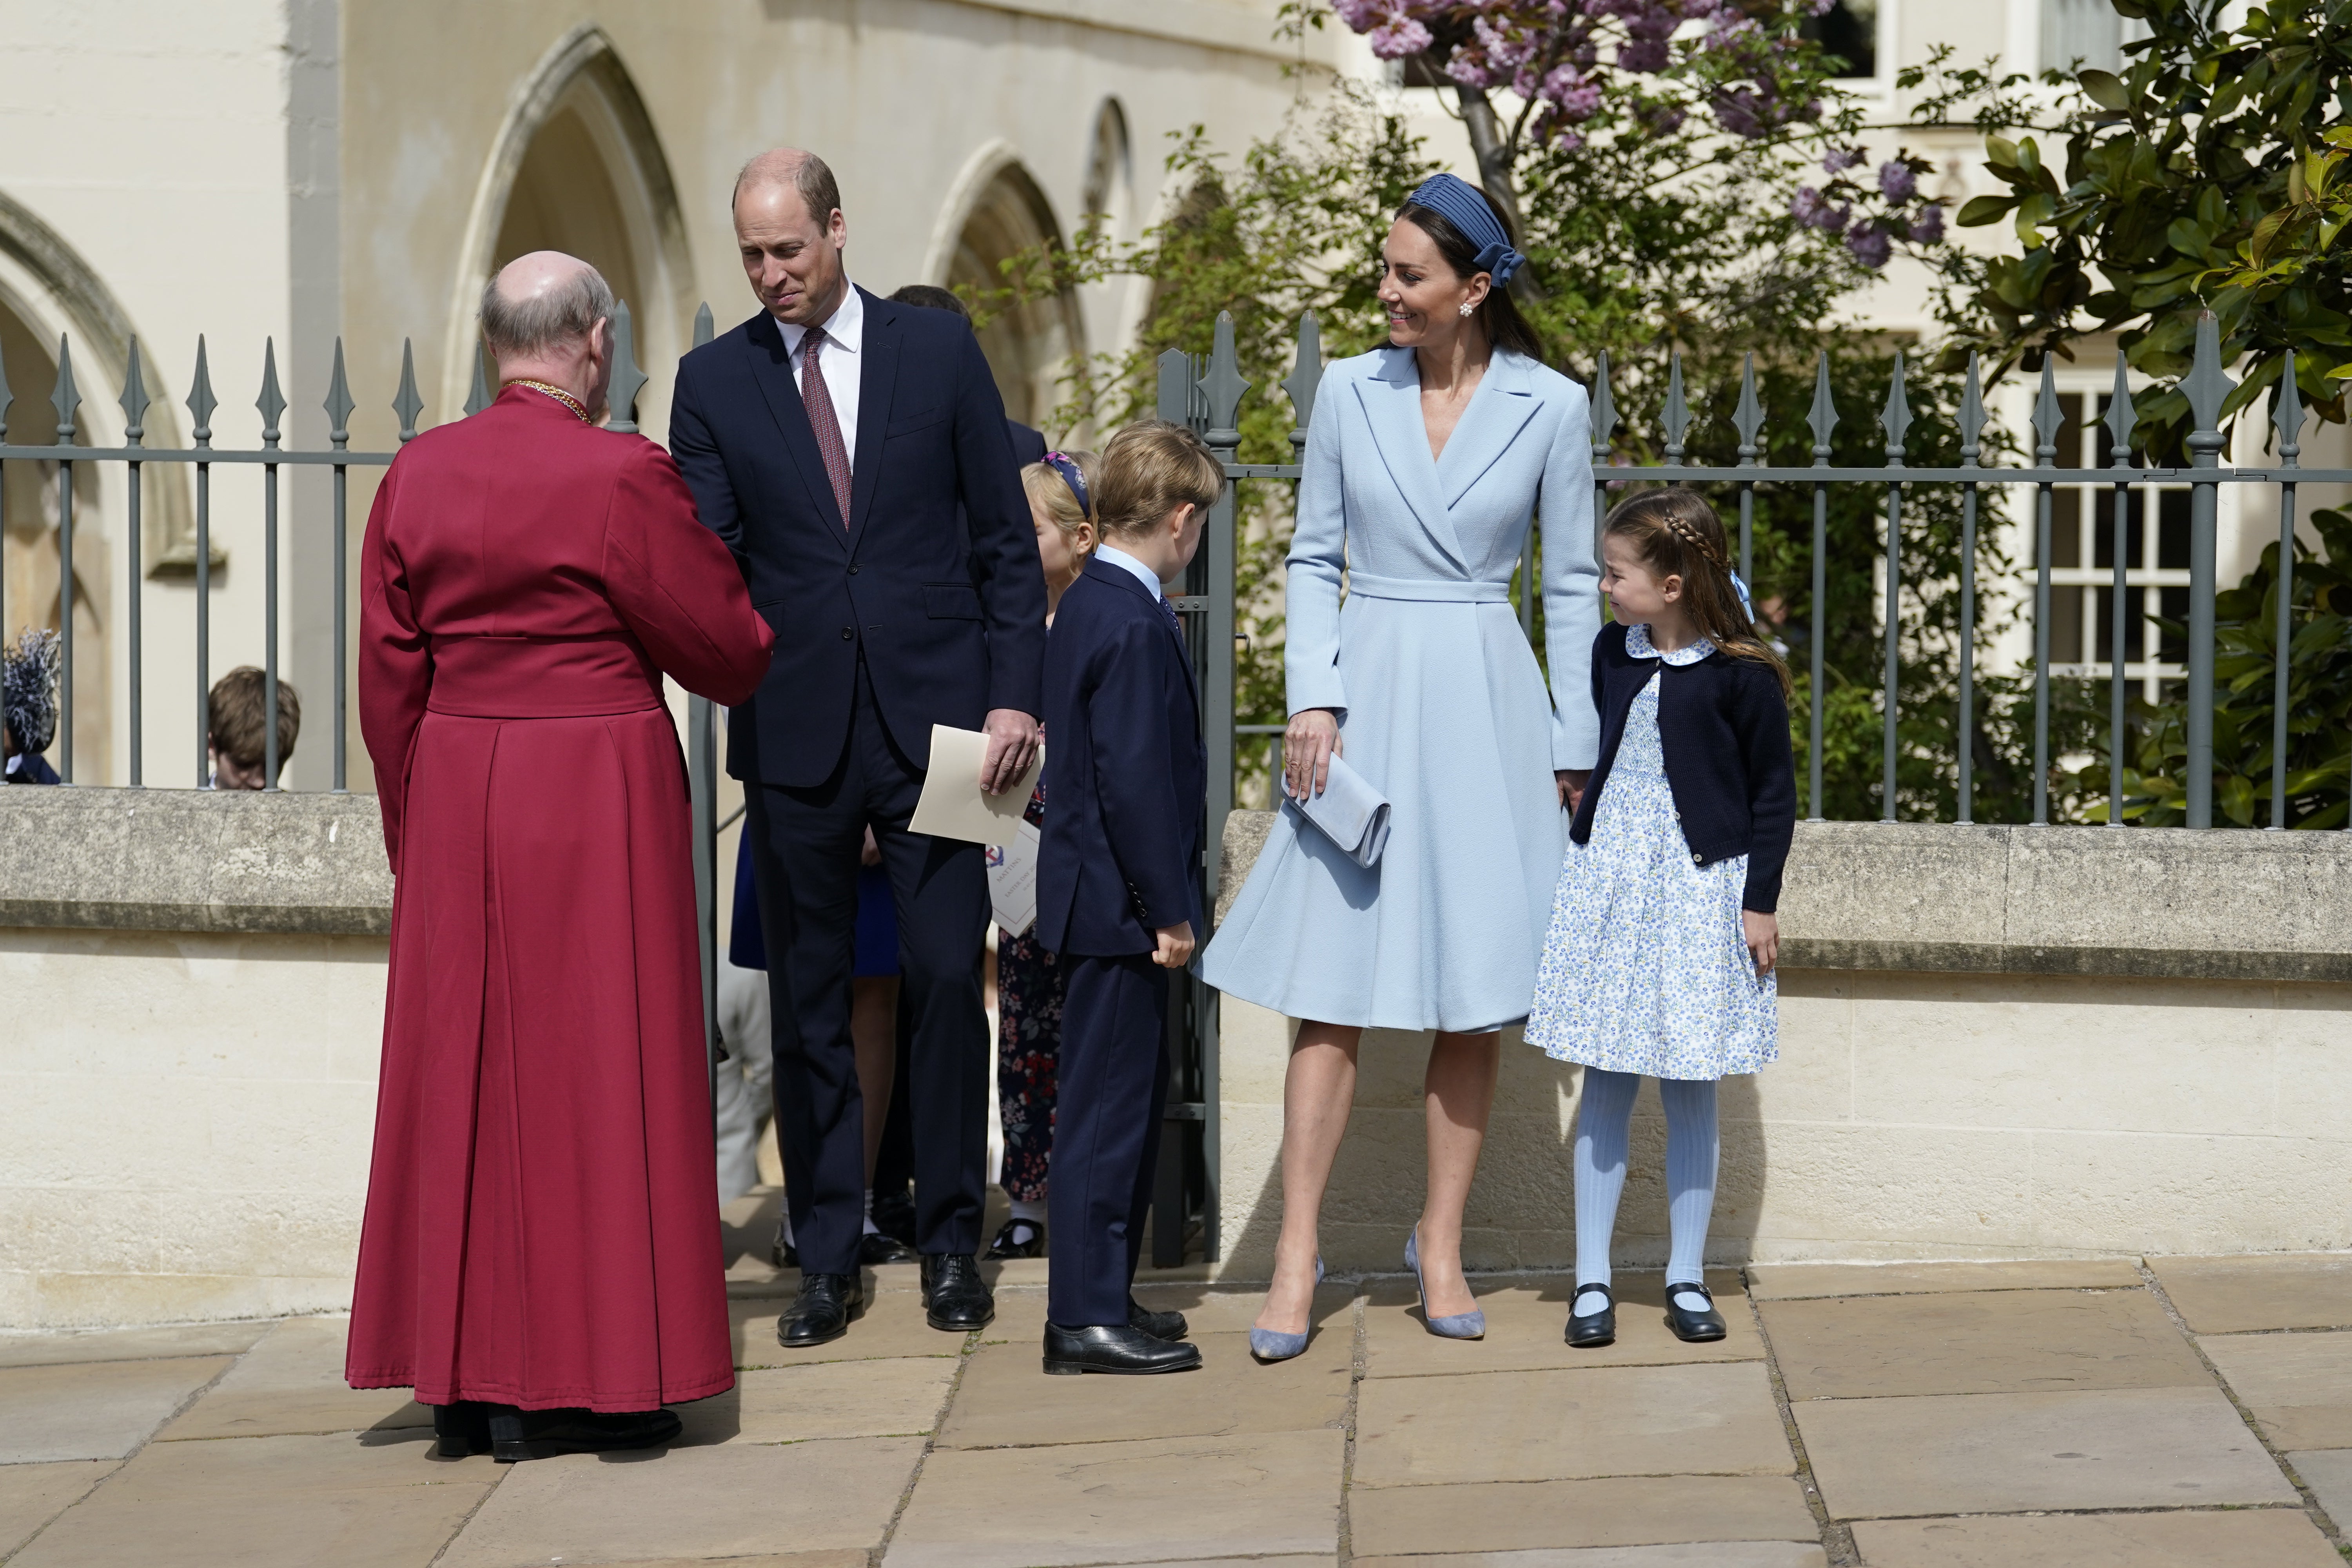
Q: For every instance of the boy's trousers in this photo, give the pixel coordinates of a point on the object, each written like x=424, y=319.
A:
x=1114, y=1090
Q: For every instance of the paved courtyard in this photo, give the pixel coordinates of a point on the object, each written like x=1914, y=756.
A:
x=2080, y=1413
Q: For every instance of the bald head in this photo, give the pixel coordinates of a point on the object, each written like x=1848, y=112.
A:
x=542, y=302
x=803, y=173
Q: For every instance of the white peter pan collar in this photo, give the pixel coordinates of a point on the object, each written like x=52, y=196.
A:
x=1637, y=646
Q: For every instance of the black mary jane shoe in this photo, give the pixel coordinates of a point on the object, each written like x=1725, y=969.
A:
x=518, y=1434
x=1593, y=1329
x=827, y=1304
x=876, y=1248
x=1019, y=1239
x=461, y=1427
x=1693, y=1328
x=1105, y=1347
x=1168, y=1326
x=956, y=1300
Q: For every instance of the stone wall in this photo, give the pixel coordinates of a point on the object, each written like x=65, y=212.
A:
x=1995, y=1042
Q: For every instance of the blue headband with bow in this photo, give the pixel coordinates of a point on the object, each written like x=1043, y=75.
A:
x=1068, y=469
x=1458, y=203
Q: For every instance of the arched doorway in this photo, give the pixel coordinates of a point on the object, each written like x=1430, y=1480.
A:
x=1028, y=342
x=577, y=168
x=31, y=563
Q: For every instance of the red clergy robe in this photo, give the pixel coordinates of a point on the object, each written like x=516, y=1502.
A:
x=542, y=1227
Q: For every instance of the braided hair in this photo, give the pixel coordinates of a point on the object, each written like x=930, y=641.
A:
x=1678, y=535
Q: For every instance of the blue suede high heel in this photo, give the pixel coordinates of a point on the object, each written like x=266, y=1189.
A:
x=1267, y=1345
x=1460, y=1325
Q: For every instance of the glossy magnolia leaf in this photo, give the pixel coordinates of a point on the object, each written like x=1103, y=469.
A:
x=1981, y=210
x=2105, y=89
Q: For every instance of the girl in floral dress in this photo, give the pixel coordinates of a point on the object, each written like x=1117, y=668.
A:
x=1029, y=982
x=1663, y=941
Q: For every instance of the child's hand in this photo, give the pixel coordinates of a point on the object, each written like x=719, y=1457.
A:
x=1175, y=945
x=1763, y=935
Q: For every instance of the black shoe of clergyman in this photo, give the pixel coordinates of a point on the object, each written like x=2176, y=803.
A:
x=875, y=1248
x=956, y=1300
x=1107, y=1348
x=1168, y=1326
x=822, y=1312
x=1595, y=1329
x=461, y=1427
x=1693, y=1328
x=518, y=1435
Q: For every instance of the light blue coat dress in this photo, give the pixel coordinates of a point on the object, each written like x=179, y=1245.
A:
x=1441, y=705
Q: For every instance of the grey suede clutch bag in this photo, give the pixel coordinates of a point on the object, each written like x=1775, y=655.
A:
x=1350, y=813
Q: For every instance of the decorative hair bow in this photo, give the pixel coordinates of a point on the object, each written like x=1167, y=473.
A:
x=1068, y=469
x=1458, y=203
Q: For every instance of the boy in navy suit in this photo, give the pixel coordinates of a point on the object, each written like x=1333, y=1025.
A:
x=1118, y=887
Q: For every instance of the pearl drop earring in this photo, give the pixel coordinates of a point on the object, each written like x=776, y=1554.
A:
x=1468, y=307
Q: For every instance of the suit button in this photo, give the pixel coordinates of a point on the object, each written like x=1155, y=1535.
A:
x=853, y=568
x=847, y=633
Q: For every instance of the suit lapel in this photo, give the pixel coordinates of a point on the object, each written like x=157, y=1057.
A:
x=878, y=377
x=1119, y=578
x=772, y=367
x=1392, y=402
x=1505, y=400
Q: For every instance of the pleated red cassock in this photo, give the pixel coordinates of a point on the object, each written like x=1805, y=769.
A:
x=542, y=1225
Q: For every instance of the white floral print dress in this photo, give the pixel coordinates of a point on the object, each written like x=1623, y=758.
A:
x=1645, y=967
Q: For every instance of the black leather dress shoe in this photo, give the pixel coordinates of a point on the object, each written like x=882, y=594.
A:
x=461, y=1427
x=875, y=1248
x=1597, y=1328
x=1693, y=1328
x=516, y=1434
x=893, y=1214
x=822, y=1312
x=1169, y=1326
x=956, y=1300
x=1107, y=1348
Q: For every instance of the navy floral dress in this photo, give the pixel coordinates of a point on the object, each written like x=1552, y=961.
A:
x=1030, y=983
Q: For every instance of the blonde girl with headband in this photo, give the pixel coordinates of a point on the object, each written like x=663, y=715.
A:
x=1029, y=980
x=1660, y=958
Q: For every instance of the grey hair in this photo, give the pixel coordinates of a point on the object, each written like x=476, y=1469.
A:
x=810, y=177
x=518, y=329
x=31, y=688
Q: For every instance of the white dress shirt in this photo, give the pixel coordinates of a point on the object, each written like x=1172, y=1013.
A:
x=845, y=333
x=1143, y=574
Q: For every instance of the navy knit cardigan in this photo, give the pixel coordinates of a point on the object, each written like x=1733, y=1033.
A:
x=1725, y=726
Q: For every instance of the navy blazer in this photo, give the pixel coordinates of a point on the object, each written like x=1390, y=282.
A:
x=936, y=576
x=1725, y=729
x=1126, y=776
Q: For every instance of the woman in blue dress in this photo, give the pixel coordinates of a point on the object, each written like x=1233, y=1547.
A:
x=1425, y=462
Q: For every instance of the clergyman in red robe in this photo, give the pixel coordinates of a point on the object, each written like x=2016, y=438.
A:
x=540, y=1256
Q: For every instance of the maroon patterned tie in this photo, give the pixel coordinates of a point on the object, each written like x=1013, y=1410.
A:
x=822, y=419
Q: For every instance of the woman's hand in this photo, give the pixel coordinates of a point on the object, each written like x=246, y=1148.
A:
x=1572, y=783
x=1308, y=747
x=1763, y=936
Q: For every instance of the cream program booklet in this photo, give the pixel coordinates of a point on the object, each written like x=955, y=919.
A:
x=953, y=805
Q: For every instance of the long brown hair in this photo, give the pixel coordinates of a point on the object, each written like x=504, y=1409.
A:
x=1677, y=535
x=1498, y=312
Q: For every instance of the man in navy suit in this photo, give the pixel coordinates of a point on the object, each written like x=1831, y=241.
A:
x=1119, y=889
x=852, y=453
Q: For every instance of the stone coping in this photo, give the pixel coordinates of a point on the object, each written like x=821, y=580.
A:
x=195, y=860
x=2157, y=902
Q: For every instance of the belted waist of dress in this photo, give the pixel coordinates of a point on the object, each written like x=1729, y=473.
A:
x=1429, y=590
x=542, y=677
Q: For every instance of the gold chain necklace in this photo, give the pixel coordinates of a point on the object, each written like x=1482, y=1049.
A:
x=558, y=394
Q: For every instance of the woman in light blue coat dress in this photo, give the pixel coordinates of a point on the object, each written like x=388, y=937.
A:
x=1426, y=461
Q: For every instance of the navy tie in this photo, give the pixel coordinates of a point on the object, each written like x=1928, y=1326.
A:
x=1175, y=622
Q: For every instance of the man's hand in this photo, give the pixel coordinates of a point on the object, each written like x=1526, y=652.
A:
x=1763, y=936
x=1175, y=945
x=1012, y=740
x=1572, y=783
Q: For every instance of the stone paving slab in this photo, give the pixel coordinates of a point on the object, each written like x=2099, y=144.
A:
x=2299, y=1386
x=2328, y=1473
x=32, y=1494
x=1006, y=1398
x=1232, y=1312
x=683, y=1503
x=1978, y=1341
x=1617, y=1511
x=133, y=1344
x=1526, y=1329
x=100, y=1410
x=2275, y=1291
x=1717, y=1419
x=1984, y=1453
x=293, y=1381
x=1181, y=1500
x=1702, y=1555
x=880, y=1398
x=269, y=1502
x=2253, y=1538
x=892, y=1326
x=1798, y=1281
x=841, y=1559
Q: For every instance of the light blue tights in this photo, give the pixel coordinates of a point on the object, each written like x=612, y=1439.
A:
x=1692, y=1150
